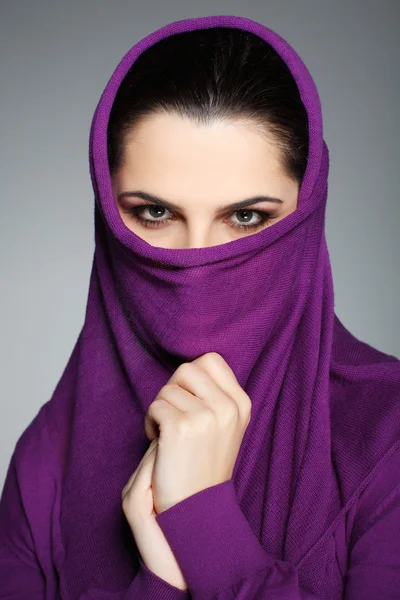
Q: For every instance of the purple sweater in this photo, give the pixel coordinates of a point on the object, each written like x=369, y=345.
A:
x=217, y=550
x=313, y=507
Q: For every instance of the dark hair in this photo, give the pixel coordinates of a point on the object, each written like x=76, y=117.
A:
x=213, y=74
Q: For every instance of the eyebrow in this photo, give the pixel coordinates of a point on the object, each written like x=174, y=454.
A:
x=171, y=206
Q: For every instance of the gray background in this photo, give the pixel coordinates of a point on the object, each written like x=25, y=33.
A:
x=56, y=59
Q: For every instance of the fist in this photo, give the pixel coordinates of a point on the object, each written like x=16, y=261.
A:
x=199, y=418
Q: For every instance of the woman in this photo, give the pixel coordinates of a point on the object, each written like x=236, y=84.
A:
x=273, y=467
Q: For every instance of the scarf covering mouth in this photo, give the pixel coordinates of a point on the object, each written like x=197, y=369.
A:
x=324, y=404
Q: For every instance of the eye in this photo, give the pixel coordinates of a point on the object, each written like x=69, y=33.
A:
x=263, y=218
x=137, y=211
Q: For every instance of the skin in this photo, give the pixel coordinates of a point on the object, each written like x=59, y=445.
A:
x=199, y=169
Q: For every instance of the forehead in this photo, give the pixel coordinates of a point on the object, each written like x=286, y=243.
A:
x=173, y=157
x=179, y=140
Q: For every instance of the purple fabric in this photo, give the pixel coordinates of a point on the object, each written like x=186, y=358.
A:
x=314, y=501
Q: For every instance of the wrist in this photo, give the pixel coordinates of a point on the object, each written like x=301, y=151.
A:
x=157, y=555
x=165, y=571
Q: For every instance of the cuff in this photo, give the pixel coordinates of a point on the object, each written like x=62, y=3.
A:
x=212, y=539
x=149, y=585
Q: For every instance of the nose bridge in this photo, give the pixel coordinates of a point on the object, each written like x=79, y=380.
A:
x=203, y=235
x=202, y=230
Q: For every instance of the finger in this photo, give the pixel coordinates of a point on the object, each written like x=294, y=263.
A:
x=142, y=480
x=132, y=478
x=190, y=390
x=220, y=371
x=208, y=379
x=162, y=413
x=193, y=378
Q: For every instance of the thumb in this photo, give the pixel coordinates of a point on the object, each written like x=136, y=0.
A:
x=146, y=464
x=145, y=470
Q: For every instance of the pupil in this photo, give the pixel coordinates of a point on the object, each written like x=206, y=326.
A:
x=246, y=213
x=156, y=209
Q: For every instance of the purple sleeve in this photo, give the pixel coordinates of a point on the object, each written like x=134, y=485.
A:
x=20, y=573
x=219, y=554
x=374, y=569
x=221, y=558
x=26, y=566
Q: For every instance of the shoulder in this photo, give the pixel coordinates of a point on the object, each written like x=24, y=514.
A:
x=35, y=466
x=33, y=447
x=29, y=492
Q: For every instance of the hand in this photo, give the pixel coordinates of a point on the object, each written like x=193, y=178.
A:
x=137, y=504
x=199, y=417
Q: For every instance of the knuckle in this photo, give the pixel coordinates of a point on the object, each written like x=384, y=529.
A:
x=208, y=416
x=231, y=413
x=247, y=405
x=214, y=355
x=127, y=500
x=185, y=367
x=247, y=412
x=162, y=391
x=182, y=426
x=205, y=422
x=166, y=391
x=209, y=358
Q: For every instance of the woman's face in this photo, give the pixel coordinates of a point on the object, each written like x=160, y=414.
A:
x=201, y=170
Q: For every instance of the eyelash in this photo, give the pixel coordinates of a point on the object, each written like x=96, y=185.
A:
x=136, y=210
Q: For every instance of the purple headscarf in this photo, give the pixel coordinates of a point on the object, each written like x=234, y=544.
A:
x=265, y=302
